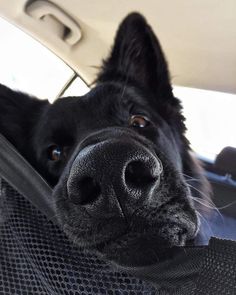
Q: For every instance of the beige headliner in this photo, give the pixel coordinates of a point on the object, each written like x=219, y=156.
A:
x=199, y=37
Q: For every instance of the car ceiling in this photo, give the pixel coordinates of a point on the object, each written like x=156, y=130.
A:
x=198, y=37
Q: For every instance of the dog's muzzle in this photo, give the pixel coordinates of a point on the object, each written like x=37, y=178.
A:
x=113, y=177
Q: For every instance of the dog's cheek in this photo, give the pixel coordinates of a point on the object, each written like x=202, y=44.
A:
x=72, y=220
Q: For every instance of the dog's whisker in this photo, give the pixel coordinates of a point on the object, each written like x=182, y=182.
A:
x=202, y=194
x=205, y=220
x=208, y=205
x=204, y=203
x=227, y=205
x=191, y=178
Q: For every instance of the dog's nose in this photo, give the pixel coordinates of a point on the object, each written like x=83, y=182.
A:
x=138, y=175
x=113, y=177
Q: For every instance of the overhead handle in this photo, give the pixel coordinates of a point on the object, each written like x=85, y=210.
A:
x=56, y=19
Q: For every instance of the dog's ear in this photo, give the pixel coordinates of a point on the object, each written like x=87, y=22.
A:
x=137, y=57
x=19, y=115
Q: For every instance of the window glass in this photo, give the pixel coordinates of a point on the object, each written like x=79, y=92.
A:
x=76, y=88
x=28, y=66
x=210, y=119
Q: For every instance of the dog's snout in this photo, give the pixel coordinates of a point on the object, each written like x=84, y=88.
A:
x=112, y=176
x=86, y=192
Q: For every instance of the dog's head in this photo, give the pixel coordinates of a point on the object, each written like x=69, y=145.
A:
x=117, y=155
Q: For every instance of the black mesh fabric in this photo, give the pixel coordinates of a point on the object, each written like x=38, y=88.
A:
x=207, y=270
x=37, y=258
x=218, y=269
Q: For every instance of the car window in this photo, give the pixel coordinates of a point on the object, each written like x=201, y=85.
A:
x=28, y=66
x=76, y=88
x=210, y=119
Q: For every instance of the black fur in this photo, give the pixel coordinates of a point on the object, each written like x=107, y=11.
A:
x=134, y=79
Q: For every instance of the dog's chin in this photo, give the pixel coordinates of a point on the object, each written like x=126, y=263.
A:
x=140, y=249
x=149, y=246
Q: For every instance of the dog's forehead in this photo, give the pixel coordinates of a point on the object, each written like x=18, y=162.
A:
x=98, y=101
x=109, y=94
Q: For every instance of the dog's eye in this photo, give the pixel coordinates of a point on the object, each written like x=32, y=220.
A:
x=139, y=121
x=55, y=153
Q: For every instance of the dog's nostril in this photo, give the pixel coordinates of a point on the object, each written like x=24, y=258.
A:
x=137, y=175
x=88, y=190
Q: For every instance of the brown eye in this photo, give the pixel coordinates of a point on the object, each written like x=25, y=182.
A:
x=138, y=121
x=55, y=153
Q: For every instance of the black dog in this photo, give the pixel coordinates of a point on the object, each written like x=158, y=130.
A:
x=118, y=156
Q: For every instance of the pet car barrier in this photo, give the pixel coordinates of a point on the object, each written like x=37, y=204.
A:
x=37, y=258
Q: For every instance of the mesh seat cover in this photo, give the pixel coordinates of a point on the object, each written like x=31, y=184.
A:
x=37, y=258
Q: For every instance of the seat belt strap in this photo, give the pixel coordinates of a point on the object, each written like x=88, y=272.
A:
x=15, y=170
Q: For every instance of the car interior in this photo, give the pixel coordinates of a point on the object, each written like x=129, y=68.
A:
x=199, y=39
